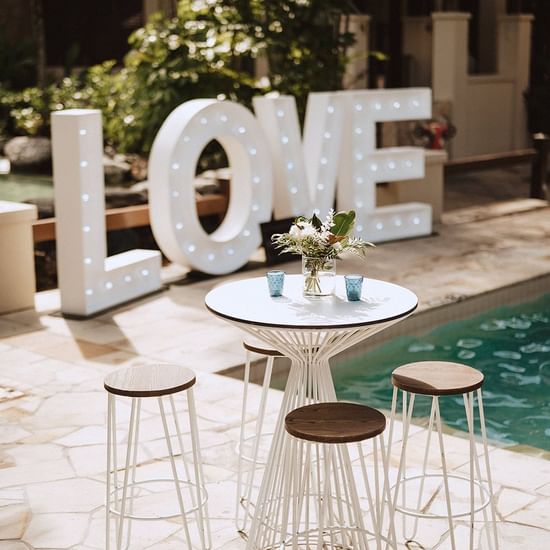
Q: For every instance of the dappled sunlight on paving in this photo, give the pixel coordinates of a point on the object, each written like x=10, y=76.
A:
x=53, y=407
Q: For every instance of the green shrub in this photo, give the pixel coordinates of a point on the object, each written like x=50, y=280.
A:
x=305, y=47
x=207, y=51
x=28, y=111
x=17, y=61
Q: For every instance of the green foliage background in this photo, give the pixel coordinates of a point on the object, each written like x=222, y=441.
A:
x=208, y=50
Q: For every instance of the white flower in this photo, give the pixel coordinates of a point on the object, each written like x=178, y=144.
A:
x=295, y=231
x=308, y=230
x=337, y=246
x=329, y=222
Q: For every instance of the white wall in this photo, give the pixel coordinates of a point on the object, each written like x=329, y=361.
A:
x=488, y=110
x=493, y=132
x=417, y=49
x=356, y=75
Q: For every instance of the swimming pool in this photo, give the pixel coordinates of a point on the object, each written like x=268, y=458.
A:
x=510, y=345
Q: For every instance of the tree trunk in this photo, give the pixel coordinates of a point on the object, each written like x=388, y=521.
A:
x=37, y=16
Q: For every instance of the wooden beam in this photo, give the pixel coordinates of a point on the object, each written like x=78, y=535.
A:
x=133, y=216
x=43, y=230
x=127, y=217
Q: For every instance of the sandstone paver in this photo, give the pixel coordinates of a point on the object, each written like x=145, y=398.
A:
x=52, y=436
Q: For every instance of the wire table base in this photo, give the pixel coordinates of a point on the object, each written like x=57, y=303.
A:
x=309, y=381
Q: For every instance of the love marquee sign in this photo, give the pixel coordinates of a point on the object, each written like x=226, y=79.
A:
x=275, y=170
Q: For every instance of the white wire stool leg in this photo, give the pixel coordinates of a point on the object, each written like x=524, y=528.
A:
x=174, y=472
x=331, y=516
x=406, y=422
x=474, y=462
x=123, y=507
x=203, y=518
x=241, y=442
x=134, y=463
x=110, y=399
x=445, y=473
x=474, y=477
x=244, y=495
x=401, y=474
x=487, y=465
x=126, y=473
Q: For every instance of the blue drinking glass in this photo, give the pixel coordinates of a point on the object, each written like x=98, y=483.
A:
x=275, y=281
x=354, y=284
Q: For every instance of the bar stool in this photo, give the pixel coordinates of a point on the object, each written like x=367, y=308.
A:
x=244, y=490
x=137, y=383
x=437, y=379
x=316, y=503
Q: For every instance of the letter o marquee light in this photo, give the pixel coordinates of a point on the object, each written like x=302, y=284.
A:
x=174, y=156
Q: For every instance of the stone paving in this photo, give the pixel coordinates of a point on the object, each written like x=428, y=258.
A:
x=53, y=407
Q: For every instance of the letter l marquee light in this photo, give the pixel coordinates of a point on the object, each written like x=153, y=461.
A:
x=89, y=281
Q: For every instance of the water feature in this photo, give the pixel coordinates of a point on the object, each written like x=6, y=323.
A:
x=22, y=187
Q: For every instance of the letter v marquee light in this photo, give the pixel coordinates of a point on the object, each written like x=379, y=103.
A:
x=305, y=171
x=89, y=281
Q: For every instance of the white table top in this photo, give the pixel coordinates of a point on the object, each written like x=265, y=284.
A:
x=248, y=301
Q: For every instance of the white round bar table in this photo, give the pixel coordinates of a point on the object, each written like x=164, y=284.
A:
x=309, y=332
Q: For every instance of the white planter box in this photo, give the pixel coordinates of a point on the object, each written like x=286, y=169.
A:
x=17, y=281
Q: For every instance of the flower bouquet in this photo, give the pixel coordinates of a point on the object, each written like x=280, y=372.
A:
x=320, y=244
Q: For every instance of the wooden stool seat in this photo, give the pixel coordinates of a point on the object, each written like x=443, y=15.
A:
x=255, y=345
x=335, y=422
x=437, y=378
x=149, y=380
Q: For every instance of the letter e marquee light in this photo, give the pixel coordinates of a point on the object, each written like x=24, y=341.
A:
x=362, y=165
x=89, y=281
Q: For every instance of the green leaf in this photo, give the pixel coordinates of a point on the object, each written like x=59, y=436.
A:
x=316, y=222
x=343, y=223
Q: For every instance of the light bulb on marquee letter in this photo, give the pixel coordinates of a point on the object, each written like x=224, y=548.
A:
x=89, y=281
x=362, y=165
x=305, y=170
x=172, y=164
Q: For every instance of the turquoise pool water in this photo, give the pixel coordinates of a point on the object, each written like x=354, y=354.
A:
x=511, y=345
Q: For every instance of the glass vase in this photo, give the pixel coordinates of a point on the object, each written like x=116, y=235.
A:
x=319, y=276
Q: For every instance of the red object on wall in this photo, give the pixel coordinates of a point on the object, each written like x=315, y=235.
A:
x=435, y=133
x=436, y=130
